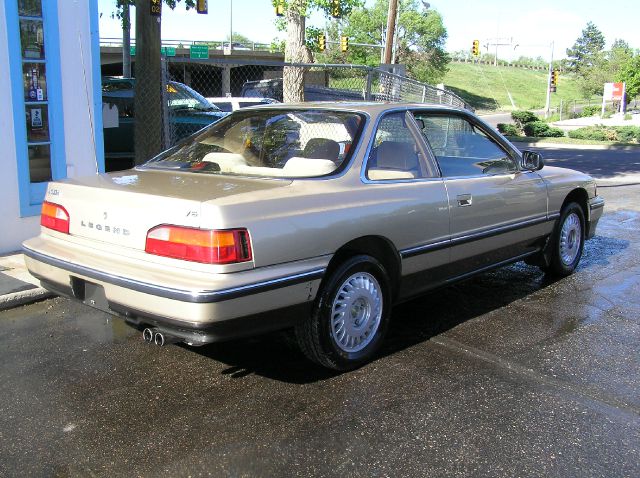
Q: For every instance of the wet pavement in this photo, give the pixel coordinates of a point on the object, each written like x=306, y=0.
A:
x=507, y=374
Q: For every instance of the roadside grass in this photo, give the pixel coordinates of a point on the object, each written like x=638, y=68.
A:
x=485, y=87
x=567, y=140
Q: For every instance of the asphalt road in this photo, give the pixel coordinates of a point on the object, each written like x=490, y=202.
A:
x=507, y=374
x=599, y=163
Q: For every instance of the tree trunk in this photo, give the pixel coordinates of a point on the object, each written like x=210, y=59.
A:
x=296, y=51
x=148, y=90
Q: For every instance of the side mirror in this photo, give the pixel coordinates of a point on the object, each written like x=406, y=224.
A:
x=532, y=161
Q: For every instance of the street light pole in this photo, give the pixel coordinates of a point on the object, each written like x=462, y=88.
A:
x=548, y=102
x=230, y=25
x=391, y=25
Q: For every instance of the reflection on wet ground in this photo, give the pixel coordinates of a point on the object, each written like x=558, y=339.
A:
x=506, y=374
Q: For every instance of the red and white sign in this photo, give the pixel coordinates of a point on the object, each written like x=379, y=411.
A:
x=613, y=91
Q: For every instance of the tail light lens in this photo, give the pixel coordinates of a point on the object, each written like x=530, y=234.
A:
x=200, y=245
x=54, y=216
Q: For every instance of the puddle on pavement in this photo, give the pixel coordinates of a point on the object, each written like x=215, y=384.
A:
x=101, y=327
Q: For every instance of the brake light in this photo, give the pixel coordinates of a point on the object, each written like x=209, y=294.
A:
x=200, y=245
x=54, y=216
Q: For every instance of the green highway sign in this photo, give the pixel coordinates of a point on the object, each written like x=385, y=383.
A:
x=165, y=51
x=168, y=51
x=199, y=52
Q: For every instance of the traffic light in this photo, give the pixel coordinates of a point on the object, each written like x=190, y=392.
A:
x=475, y=48
x=322, y=42
x=554, y=77
x=344, y=43
x=202, y=7
x=279, y=9
x=335, y=9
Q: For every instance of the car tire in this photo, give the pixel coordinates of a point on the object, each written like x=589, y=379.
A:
x=350, y=317
x=567, y=241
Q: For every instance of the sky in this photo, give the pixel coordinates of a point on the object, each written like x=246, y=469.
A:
x=528, y=26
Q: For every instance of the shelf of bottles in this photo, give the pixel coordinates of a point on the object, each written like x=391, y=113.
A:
x=36, y=98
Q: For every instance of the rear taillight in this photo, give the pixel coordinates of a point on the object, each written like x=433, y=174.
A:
x=54, y=217
x=199, y=245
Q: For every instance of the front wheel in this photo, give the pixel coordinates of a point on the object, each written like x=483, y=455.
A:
x=350, y=318
x=567, y=241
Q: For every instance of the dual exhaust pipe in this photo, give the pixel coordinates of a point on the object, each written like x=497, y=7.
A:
x=156, y=336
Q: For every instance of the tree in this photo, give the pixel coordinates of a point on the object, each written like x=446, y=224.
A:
x=585, y=50
x=148, y=94
x=420, y=38
x=296, y=50
x=630, y=74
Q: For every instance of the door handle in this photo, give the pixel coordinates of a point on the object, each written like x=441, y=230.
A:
x=464, y=200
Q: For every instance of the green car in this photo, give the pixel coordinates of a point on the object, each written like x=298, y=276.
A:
x=188, y=113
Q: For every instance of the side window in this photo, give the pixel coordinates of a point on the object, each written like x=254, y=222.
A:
x=394, y=154
x=461, y=149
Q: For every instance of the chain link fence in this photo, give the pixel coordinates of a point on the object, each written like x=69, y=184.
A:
x=189, y=88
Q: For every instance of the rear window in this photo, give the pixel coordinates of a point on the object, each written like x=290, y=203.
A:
x=268, y=143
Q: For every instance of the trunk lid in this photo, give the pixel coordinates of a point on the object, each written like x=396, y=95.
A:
x=120, y=208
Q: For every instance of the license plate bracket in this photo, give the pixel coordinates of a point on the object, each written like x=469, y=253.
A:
x=89, y=294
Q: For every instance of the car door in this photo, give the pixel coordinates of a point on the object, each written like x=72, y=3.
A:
x=498, y=211
x=415, y=206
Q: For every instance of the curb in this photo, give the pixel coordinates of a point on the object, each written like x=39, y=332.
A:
x=575, y=146
x=23, y=297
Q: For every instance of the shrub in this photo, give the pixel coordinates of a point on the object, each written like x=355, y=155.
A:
x=541, y=129
x=555, y=133
x=596, y=133
x=508, y=129
x=628, y=133
x=591, y=110
x=523, y=117
x=602, y=133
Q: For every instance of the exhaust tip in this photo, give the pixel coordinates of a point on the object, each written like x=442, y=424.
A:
x=147, y=335
x=159, y=339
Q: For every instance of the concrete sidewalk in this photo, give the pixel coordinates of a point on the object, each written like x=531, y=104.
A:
x=17, y=286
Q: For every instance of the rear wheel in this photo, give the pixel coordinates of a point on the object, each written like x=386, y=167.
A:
x=567, y=241
x=350, y=318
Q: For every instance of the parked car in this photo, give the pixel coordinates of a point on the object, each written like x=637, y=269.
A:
x=230, y=103
x=319, y=217
x=235, y=46
x=188, y=113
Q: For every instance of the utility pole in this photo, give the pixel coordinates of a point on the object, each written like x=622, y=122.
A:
x=548, y=102
x=126, y=41
x=391, y=26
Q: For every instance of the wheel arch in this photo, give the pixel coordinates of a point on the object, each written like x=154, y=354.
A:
x=378, y=247
x=580, y=197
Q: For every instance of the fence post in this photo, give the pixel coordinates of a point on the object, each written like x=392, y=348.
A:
x=424, y=92
x=368, y=95
x=166, y=127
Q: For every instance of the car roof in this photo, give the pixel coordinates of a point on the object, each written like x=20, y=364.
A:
x=370, y=107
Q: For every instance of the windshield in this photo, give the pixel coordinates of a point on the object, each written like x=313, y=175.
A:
x=183, y=97
x=268, y=143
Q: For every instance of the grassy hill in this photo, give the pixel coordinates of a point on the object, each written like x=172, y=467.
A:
x=485, y=87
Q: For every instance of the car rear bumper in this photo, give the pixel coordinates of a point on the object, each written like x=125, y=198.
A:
x=596, y=208
x=229, y=305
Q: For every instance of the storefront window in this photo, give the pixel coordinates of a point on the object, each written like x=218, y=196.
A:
x=35, y=89
x=30, y=8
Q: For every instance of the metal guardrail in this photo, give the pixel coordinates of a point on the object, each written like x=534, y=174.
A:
x=253, y=46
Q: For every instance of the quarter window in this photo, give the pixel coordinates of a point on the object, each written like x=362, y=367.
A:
x=462, y=149
x=395, y=153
